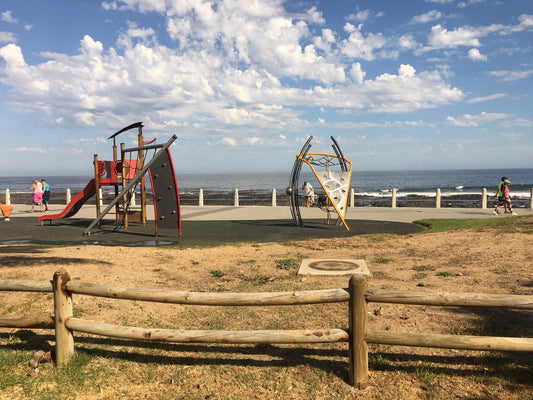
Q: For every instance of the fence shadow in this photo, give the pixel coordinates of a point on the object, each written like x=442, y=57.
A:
x=513, y=367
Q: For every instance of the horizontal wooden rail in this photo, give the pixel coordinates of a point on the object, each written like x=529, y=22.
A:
x=210, y=299
x=20, y=285
x=357, y=296
x=464, y=342
x=208, y=336
x=23, y=321
x=454, y=299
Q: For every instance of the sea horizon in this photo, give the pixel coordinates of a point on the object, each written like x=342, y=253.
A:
x=364, y=183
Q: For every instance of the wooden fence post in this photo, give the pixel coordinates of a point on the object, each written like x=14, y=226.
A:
x=8, y=198
x=352, y=198
x=274, y=195
x=68, y=196
x=358, y=349
x=236, y=199
x=62, y=312
x=484, y=199
x=393, y=199
x=437, y=198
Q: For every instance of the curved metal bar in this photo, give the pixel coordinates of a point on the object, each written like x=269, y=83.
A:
x=340, y=156
x=294, y=183
x=135, y=125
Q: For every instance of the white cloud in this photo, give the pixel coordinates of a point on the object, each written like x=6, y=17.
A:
x=440, y=37
x=235, y=66
x=357, y=73
x=253, y=141
x=475, y=55
x=87, y=141
x=360, y=16
x=407, y=42
x=467, y=120
x=229, y=142
x=507, y=76
x=526, y=22
x=7, y=37
x=7, y=16
x=487, y=98
x=360, y=47
x=32, y=150
x=430, y=16
x=463, y=4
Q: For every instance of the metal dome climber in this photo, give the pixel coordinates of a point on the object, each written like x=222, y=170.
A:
x=333, y=172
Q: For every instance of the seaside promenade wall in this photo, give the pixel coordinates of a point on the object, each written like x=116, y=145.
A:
x=274, y=198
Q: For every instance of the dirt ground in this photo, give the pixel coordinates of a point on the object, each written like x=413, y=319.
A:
x=485, y=261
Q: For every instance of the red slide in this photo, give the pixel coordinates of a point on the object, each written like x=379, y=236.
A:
x=75, y=204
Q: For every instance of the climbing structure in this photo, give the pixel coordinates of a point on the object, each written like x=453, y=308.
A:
x=127, y=175
x=333, y=172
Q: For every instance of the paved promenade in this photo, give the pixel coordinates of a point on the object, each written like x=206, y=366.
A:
x=221, y=213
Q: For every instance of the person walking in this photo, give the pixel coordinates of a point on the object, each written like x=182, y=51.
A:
x=504, y=197
x=507, y=197
x=37, y=199
x=46, y=194
x=499, y=195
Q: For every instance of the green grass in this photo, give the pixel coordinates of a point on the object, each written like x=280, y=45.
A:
x=217, y=273
x=382, y=260
x=287, y=264
x=419, y=275
x=441, y=225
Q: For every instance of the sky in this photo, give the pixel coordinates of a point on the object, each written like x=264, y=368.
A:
x=401, y=85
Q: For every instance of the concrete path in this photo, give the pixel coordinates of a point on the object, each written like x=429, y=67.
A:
x=225, y=213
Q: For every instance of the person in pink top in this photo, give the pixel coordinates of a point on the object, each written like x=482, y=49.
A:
x=37, y=200
x=507, y=196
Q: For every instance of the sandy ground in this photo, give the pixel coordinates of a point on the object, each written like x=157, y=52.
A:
x=485, y=261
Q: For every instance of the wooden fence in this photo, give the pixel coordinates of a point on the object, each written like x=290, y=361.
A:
x=356, y=334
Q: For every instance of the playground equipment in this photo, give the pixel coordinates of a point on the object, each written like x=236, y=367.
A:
x=6, y=211
x=127, y=175
x=335, y=183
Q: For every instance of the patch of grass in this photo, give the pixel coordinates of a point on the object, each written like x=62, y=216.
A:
x=419, y=275
x=382, y=260
x=423, y=268
x=287, y=264
x=423, y=374
x=217, y=273
x=443, y=273
x=257, y=280
x=504, y=225
x=246, y=262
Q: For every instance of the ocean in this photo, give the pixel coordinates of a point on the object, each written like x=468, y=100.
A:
x=371, y=187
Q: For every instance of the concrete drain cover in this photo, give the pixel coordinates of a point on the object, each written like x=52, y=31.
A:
x=333, y=267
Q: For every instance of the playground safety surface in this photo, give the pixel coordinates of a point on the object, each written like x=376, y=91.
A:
x=194, y=233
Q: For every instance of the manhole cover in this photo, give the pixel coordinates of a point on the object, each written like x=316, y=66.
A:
x=347, y=266
x=333, y=265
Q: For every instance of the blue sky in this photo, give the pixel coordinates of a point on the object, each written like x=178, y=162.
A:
x=419, y=84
